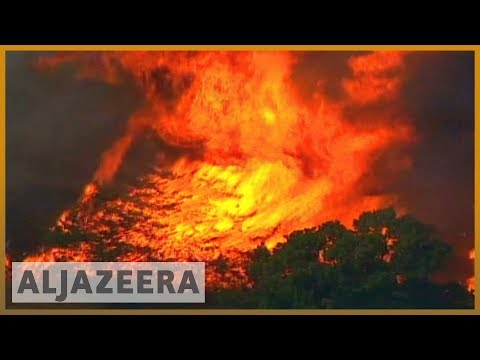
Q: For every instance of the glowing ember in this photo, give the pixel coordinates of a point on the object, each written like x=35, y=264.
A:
x=271, y=162
x=8, y=267
x=89, y=193
x=471, y=283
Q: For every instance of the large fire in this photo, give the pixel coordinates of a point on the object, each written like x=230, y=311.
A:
x=259, y=159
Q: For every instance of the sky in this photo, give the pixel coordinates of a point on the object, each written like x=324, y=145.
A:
x=57, y=128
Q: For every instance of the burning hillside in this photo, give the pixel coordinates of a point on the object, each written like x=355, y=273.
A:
x=256, y=160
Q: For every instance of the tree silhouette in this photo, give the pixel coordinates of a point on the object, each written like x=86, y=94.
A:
x=385, y=261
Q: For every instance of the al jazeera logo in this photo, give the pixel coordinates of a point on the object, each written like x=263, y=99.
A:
x=108, y=282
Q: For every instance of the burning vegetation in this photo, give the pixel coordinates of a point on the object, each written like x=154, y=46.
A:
x=254, y=162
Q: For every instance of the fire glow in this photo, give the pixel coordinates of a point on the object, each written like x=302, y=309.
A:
x=271, y=161
x=471, y=280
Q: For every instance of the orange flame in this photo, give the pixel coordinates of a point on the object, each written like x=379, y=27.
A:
x=373, y=80
x=471, y=280
x=271, y=162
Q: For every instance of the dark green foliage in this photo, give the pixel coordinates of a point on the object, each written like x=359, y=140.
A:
x=384, y=262
x=221, y=265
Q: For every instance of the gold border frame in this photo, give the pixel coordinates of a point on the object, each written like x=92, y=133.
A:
x=3, y=49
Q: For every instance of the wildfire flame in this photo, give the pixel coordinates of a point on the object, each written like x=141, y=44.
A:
x=471, y=280
x=270, y=161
